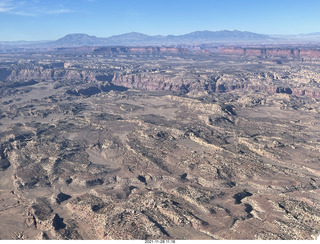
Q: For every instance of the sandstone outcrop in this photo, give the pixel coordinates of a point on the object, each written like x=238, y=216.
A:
x=295, y=53
x=158, y=147
x=99, y=78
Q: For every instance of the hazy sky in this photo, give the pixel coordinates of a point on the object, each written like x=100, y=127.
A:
x=52, y=19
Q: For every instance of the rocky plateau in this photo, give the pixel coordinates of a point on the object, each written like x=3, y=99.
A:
x=160, y=143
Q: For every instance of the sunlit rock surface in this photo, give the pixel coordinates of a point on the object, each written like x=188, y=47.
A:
x=172, y=146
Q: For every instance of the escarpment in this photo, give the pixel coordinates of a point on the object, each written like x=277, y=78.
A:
x=269, y=52
x=38, y=73
x=140, y=50
x=205, y=80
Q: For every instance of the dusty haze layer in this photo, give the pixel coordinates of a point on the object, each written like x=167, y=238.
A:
x=167, y=145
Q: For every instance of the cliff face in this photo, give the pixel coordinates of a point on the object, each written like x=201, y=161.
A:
x=310, y=53
x=220, y=83
x=177, y=82
x=271, y=52
x=141, y=50
x=40, y=74
x=91, y=77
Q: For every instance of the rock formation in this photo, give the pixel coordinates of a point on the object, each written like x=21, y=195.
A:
x=158, y=146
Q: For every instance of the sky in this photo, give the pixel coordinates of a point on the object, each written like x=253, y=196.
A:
x=52, y=19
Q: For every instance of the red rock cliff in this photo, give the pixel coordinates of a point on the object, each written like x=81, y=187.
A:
x=272, y=52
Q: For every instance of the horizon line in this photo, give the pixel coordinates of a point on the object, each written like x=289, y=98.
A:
x=79, y=33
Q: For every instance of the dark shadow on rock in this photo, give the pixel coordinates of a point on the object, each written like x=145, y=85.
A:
x=62, y=197
x=58, y=223
x=113, y=87
x=241, y=195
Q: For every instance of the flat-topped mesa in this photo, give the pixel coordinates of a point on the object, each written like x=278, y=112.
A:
x=141, y=50
x=310, y=53
x=271, y=52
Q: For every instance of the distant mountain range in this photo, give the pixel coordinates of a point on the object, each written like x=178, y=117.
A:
x=134, y=38
x=139, y=39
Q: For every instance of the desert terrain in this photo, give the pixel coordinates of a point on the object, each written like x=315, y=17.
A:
x=151, y=143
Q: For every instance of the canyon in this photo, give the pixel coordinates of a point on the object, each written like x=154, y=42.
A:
x=209, y=78
x=160, y=143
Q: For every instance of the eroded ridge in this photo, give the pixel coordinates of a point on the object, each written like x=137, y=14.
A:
x=107, y=151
